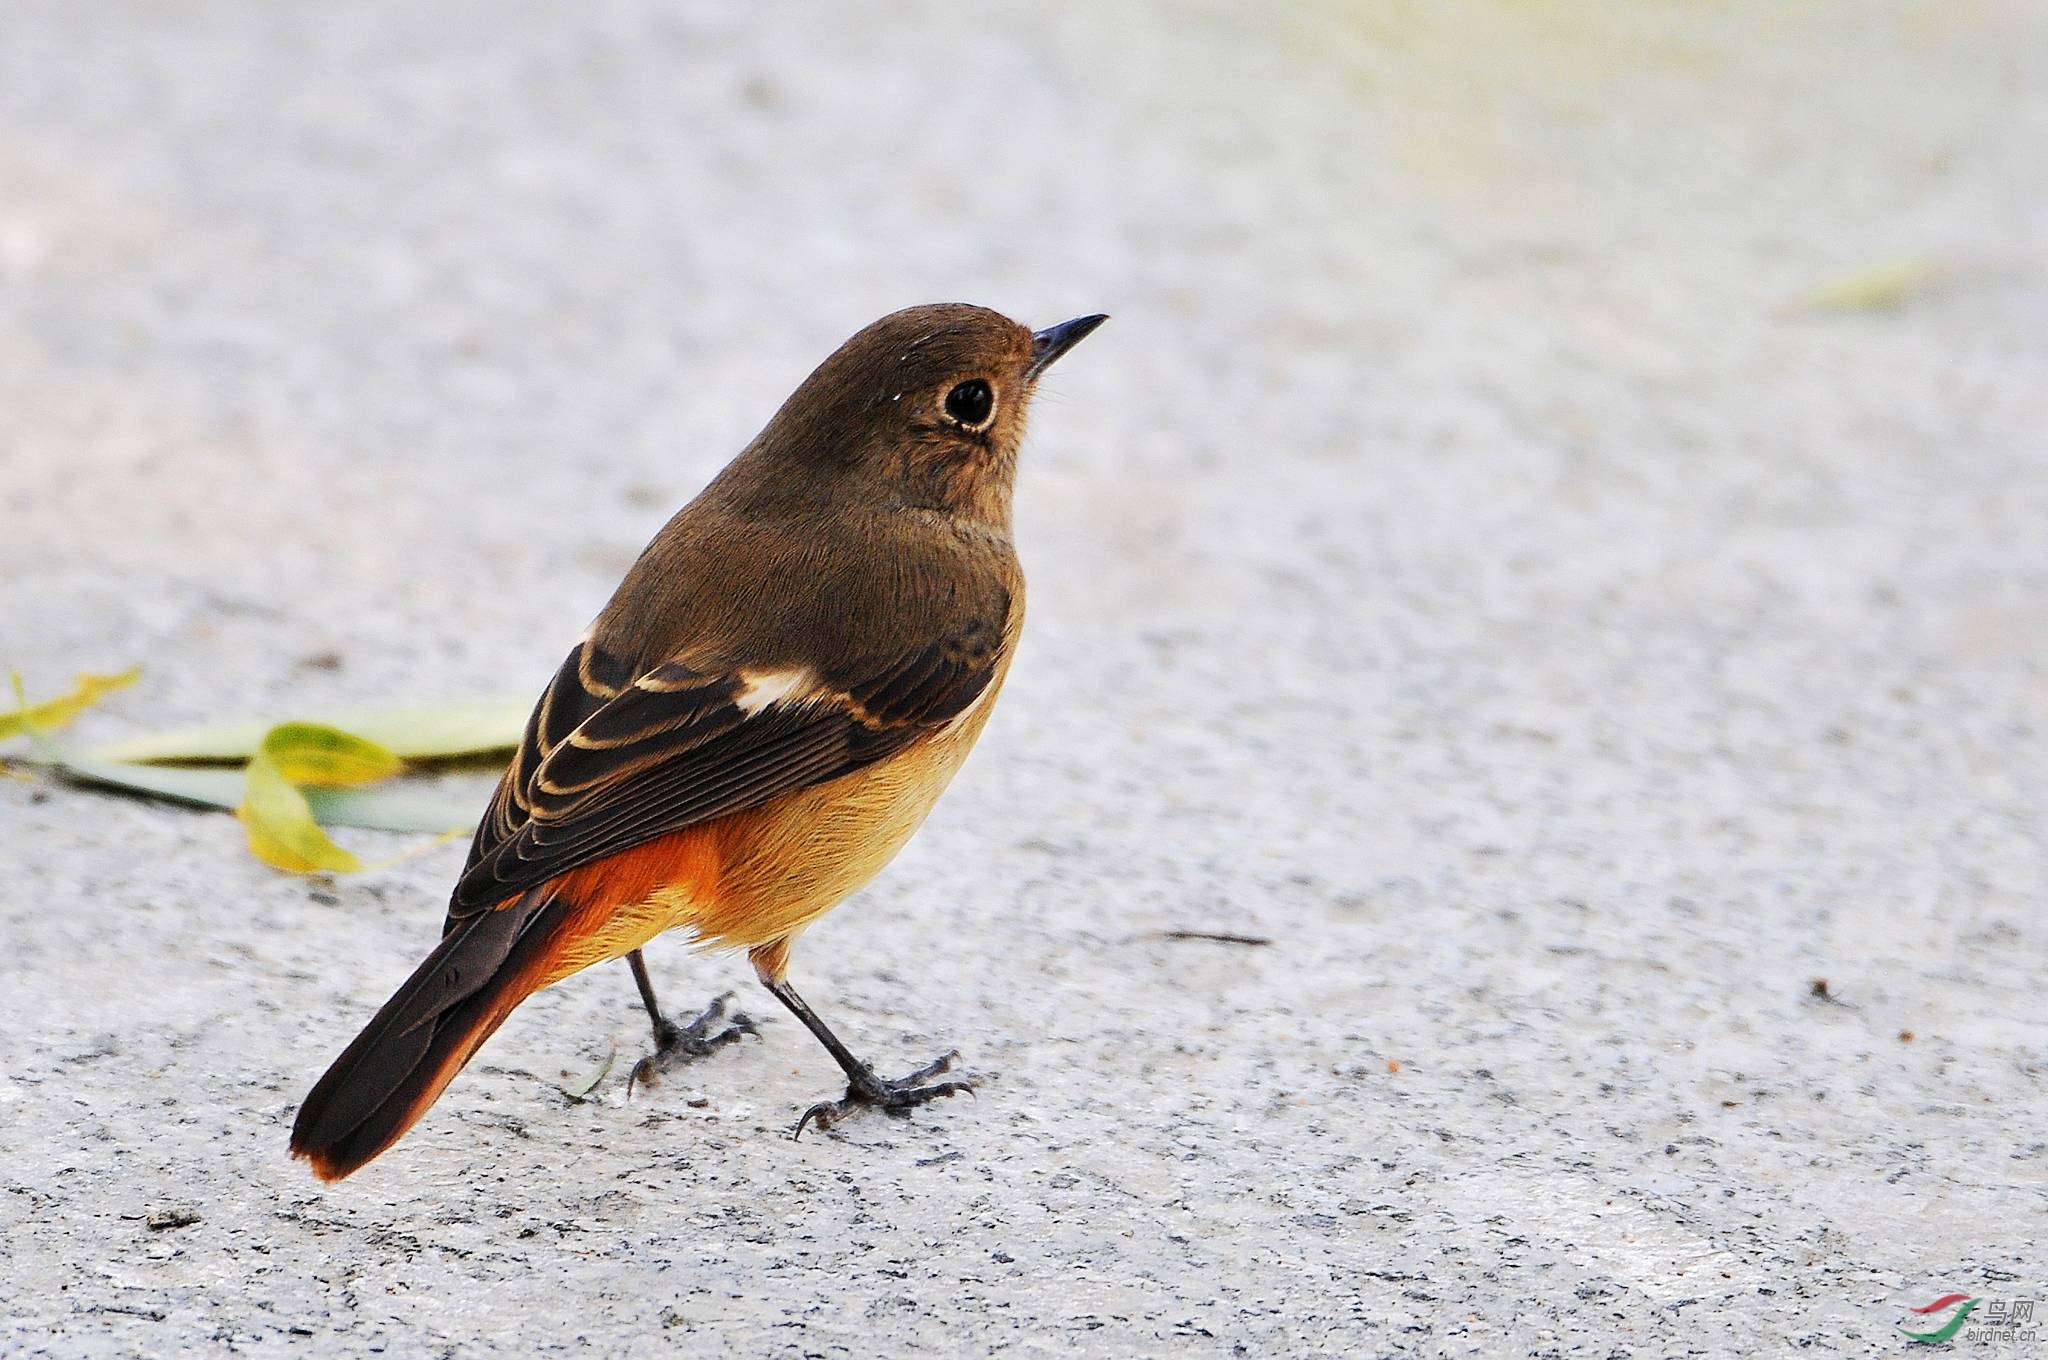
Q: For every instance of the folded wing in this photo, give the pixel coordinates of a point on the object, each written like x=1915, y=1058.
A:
x=611, y=759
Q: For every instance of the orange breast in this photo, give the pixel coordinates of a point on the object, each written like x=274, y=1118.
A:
x=618, y=897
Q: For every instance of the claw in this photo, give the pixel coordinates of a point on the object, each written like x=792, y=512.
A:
x=896, y=1097
x=675, y=1043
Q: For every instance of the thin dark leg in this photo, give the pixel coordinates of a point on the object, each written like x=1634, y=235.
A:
x=897, y=1096
x=646, y=986
x=854, y=1068
x=711, y=1030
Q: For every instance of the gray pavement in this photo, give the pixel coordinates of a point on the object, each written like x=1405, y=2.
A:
x=1459, y=561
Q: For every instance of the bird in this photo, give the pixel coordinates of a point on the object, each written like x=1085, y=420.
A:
x=762, y=715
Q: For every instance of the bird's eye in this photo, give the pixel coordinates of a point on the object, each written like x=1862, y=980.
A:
x=971, y=402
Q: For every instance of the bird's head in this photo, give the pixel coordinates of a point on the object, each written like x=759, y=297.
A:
x=923, y=408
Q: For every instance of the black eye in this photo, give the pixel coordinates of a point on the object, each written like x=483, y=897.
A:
x=970, y=402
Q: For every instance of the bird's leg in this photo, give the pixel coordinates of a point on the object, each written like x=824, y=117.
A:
x=674, y=1043
x=897, y=1095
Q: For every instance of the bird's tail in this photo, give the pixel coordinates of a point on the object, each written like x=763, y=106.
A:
x=399, y=1065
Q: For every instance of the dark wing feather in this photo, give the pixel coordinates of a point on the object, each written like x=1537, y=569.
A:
x=607, y=765
x=587, y=680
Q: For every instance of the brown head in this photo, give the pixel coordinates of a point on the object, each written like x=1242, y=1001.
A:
x=923, y=408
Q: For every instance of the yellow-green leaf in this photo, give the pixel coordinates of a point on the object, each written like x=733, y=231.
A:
x=54, y=713
x=460, y=727
x=280, y=824
x=274, y=810
x=1875, y=287
x=313, y=753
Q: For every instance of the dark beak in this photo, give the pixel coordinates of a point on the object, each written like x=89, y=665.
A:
x=1050, y=343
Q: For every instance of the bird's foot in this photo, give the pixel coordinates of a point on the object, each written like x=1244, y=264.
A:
x=675, y=1044
x=898, y=1096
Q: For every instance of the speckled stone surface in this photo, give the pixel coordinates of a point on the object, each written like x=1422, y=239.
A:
x=1456, y=562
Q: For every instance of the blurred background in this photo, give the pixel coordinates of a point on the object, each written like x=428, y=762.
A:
x=1552, y=539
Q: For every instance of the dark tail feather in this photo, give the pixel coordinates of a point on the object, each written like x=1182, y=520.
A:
x=399, y=1065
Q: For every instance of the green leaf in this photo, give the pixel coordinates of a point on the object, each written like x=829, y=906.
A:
x=52, y=714
x=378, y=809
x=579, y=1090
x=393, y=810
x=314, y=753
x=414, y=732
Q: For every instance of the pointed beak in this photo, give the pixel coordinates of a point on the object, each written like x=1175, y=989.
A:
x=1050, y=343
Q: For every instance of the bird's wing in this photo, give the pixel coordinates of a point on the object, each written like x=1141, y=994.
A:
x=611, y=760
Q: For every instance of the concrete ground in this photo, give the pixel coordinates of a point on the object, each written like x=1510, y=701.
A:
x=1465, y=560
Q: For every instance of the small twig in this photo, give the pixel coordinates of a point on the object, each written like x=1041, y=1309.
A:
x=1218, y=936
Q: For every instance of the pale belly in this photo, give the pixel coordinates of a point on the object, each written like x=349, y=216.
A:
x=812, y=850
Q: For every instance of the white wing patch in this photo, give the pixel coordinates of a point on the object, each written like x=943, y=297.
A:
x=764, y=688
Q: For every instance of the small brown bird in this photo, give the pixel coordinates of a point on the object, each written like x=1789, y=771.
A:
x=759, y=719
